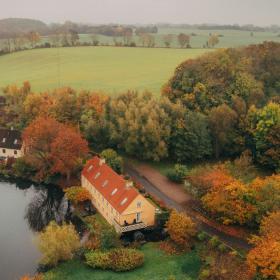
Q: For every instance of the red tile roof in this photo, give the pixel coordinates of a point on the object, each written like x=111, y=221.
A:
x=112, y=186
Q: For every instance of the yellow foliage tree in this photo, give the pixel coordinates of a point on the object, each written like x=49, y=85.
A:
x=181, y=228
x=58, y=243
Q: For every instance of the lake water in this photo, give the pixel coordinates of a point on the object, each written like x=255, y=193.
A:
x=24, y=210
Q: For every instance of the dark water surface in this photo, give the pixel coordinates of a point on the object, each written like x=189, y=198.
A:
x=24, y=210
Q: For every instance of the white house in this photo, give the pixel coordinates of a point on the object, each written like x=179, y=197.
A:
x=10, y=144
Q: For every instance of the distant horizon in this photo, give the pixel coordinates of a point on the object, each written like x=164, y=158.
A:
x=138, y=23
x=229, y=12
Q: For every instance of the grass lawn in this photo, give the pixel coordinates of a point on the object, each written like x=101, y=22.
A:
x=110, y=69
x=157, y=266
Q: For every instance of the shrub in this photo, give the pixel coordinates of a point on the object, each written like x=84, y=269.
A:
x=222, y=247
x=22, y=168
x=117, y=259
x=214, y=241
x=178, y=174
x=126, y=259
x=202, y=236
x=58, y=243
x=204, y=274
x=97, y=259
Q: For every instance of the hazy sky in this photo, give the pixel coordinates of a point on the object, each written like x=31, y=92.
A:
x=259, y=12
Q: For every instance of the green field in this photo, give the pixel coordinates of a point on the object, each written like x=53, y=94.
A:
x=157, y=266
x=110, y=69
x=230, y=38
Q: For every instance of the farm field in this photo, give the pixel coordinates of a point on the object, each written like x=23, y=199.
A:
x=108, y=69
x=152, y=269
x=230, y=38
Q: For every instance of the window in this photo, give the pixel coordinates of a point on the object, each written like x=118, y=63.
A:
x=97, y=175
x=15, y=142
x=138, y=204
x=124, y=201
x=4, y=151
x=114, y=191
x=105, y=183
x=15, y=152
x=90, y=168
x=4, y=140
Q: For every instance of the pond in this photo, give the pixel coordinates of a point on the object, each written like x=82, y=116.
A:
x=24, y=210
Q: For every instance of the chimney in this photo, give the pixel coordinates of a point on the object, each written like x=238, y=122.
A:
x=128, y=184
x=102, y=161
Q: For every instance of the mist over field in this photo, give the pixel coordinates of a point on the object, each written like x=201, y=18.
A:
x=257, y=12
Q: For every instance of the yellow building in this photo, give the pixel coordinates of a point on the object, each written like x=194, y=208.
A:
x=115, y=198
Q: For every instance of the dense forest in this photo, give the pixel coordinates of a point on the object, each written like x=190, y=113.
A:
x=215, y=106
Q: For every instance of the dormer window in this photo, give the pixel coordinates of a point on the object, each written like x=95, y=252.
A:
x=114, y=191
x=97, y=175
x=90, y=168
x=105, y=183
x=124, y=201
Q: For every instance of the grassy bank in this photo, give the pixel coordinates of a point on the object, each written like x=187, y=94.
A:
x=157, y=266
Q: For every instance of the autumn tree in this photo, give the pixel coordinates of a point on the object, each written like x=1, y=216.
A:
x=58, y=243
x=52, y=147
x=213, y=41
x=33, y=38
x=167, y=39
x=183, y=40
x=180, y=228
x=222, y=120
x=229, y=203
x=264, y=258
x=67, y=151
x=139, y=126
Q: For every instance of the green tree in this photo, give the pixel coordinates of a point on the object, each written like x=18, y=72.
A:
x=264, y=128
x=113, y=160
x=223, y=121
x=191, y=139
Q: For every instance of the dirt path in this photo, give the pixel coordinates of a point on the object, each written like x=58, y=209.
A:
x=174, y=196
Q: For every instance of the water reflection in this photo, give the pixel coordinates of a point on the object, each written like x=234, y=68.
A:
x=48, y=203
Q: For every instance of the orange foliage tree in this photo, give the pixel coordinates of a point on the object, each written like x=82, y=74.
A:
x=181, y=228
x=52, y=147
x=229, y=203
x=264, y=258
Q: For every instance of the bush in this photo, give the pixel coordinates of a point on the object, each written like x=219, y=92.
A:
x=204, y=274
x=178, y=174
x=97, y=259
x=22, y=168
x=202, y=236
x=222, y=247
x=117, y=259
x=214, y=241
x=126, y=259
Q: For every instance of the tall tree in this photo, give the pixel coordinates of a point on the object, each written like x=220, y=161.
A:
x=183, y=40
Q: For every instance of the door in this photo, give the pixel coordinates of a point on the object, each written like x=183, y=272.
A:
x=138, y=217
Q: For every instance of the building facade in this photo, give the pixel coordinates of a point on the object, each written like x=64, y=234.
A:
x=10, y=144
x=115, y=198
